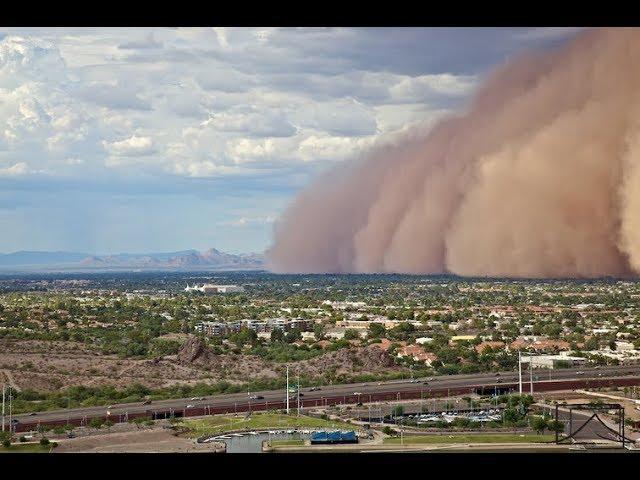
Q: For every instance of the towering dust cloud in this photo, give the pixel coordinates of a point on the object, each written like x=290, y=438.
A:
x=540, y=177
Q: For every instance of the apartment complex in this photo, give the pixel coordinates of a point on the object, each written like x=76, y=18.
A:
x=259, y=326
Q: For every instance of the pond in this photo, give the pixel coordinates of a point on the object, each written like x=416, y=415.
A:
x=252, y=443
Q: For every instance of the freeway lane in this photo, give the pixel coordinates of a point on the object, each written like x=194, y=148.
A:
x=334, y=394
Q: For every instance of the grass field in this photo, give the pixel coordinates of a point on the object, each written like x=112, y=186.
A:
x=220, y=424
x=497, y=438
x=26, y=448
x=287, y=443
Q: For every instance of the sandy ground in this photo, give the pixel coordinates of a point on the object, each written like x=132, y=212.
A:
x=47, y=366
x=147, y=441
x=50, y=366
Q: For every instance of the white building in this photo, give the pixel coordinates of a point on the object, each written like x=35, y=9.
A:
x=625, y=357
x=211, y=288
x=553, y=361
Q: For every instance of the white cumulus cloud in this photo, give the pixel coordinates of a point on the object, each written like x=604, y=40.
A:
x=132, y=146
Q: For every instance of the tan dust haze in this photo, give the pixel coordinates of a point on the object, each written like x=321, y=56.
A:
x=538, y=177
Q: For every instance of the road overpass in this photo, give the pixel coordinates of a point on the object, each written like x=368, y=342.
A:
x=440, y=386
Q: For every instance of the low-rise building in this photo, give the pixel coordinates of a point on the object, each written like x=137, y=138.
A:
x=625, y=357
x=489, y=344
x=417, y=354
x=384, y=344
x=211, y=288
x=538, y=344
x=461, y=338
x=306, y=336
x=552, y=361
x=335, y=333
x=260, y=326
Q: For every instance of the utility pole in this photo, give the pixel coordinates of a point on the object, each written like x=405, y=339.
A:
x=520, y=372
x=531, y=373
x=3, y=392
x=287, y=389
x=10, y=411
x=298, y=377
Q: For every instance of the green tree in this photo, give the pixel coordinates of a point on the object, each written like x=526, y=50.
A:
x=277, y=335
x=318, y=331
x=387, y=430
x=293, y=335
x=539, y=424
x=591, y=344
x=555, y=426
x=376, y=330
x=398, y=411
x=96, y=422
x=351, y=334
x=511, y=416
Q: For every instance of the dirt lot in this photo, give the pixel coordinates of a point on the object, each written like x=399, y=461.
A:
x=146, y=441
x=47, y=366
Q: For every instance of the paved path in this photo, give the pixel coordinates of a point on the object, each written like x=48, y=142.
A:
x=594, y=430
x=143, y=441
x=608, y=395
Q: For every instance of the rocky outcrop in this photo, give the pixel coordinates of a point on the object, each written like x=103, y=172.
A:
x=194, y=349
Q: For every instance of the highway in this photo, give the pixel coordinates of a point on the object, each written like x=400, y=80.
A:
x=547, y=380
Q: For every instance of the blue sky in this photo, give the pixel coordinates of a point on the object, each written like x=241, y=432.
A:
x=155, y=139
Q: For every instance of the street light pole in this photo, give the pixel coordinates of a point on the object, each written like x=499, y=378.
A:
x=10, y=410
x=298, y=377
x=520, y=372
x=287, y=389
x=531, y=373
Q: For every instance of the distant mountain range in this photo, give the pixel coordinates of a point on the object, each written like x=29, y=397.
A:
x=211, y=259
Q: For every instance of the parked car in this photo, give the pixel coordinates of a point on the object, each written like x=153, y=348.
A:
x=146, y=402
